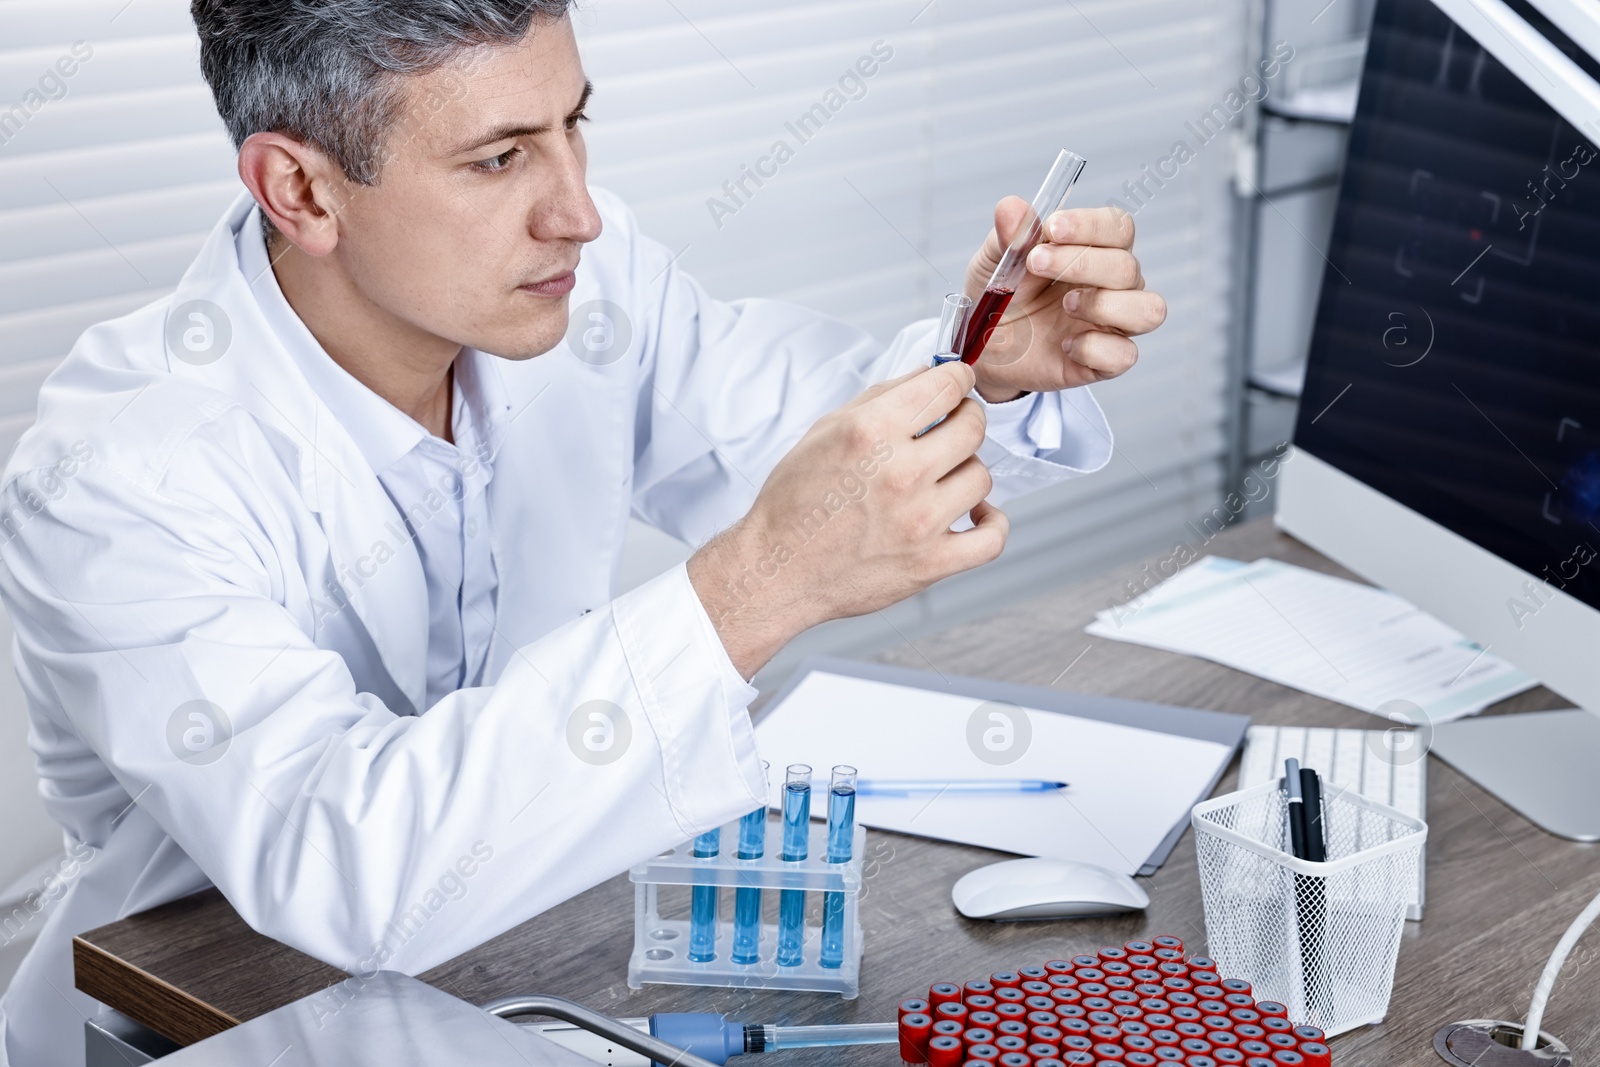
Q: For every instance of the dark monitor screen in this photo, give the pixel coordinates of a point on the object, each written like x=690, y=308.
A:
x=1455, y=363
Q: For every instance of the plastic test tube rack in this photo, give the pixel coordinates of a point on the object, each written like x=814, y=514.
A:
x=661, y=945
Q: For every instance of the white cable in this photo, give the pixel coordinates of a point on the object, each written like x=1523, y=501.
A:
x=1547, y=980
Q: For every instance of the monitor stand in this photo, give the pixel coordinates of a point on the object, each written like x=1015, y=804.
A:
x=1543, y=764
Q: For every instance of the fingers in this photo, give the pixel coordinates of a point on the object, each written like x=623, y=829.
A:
x=979, y=545
x=1107, y=227
x=878, y=389
x=1132, y=311
x=927, y=395
x=948, y=445
x=1107, y=355
x=1092, y=265
x=962, y=489
x=1010, y=216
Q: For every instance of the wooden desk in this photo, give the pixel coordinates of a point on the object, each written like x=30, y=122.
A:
x=1499, y=891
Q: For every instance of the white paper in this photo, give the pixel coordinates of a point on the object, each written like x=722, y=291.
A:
x=1322, y=635
x=1129, y=787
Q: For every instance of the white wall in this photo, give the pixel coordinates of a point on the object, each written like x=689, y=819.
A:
x=106, y=193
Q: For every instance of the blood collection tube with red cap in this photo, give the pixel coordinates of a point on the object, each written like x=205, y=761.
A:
x=944, y=1051
x=916, y=1029
x=1282, y=1042
x=1316, y=1054
x=953, y=1010
x=1304, y=1034
x=1013, y=265
x=1096, y=1013
x=977, y=1035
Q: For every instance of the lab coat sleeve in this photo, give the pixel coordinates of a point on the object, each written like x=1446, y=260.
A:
x=156, y=613
x=728, y=388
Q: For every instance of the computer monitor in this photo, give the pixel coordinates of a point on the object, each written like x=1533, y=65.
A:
x=1448, y=439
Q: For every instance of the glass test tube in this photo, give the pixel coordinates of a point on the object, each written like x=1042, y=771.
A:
x=1014, y=263
x=703, y=905
x=747, y=899
x=946, y=343
x=841, y=835
x=952, y=324
x=796, y=833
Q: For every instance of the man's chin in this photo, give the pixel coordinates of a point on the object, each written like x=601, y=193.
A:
x=517, y=355
x=519, y=346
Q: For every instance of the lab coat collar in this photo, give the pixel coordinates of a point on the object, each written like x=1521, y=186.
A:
x=337, y=479
x=382, y=431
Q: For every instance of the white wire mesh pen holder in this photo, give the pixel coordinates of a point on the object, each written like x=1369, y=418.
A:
x=1322, y=938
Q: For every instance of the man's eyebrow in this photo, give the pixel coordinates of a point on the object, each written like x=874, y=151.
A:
x=519, y=129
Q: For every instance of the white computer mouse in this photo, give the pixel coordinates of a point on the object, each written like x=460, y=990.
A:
x=1045, y=889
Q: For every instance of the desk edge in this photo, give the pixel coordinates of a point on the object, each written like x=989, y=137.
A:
x=149, y=1001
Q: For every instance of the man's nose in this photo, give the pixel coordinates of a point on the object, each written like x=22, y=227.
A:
x=567, y=213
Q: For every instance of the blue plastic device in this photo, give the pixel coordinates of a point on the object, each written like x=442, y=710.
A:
x=707, y=1035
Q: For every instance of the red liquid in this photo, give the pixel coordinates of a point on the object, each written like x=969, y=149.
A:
x=985, y=317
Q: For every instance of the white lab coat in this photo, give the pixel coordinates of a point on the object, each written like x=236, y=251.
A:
x=175, y=532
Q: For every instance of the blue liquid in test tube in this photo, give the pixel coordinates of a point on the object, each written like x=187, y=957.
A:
x=796, y=835
x=703, y=905
x=841, y=835
x=747, y=899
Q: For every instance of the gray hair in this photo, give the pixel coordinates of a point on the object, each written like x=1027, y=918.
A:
x=328, y=72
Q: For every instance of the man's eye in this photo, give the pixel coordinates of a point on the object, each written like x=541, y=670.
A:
x=498, y=163
x=573, y=120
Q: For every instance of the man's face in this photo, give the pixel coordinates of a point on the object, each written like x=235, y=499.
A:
x=475, y=226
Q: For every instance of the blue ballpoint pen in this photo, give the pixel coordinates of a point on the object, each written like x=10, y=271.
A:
x=900, y=787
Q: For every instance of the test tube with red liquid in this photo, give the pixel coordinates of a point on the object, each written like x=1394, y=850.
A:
x=1014, y=263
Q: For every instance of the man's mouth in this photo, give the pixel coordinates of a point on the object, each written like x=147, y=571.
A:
x=555, y=285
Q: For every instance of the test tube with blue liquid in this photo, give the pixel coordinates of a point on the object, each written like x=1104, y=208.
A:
x=953, y=318
x=703, y=904
x=841, y=837
x=947, y=341
x=747, y=899
x=796, y=836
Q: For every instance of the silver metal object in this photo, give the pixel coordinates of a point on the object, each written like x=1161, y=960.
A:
x=1492, y=1043
x=394, y=1020
x=111, y=1039
x=1542, y=764
x=629, y=1037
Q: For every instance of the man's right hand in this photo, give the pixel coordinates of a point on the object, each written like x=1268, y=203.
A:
x=856, y=517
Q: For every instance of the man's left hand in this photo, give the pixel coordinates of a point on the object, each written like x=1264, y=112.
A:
x=1077, y=309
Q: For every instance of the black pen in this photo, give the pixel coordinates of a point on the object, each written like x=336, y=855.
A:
x=1304, y=790
x=1316, y=840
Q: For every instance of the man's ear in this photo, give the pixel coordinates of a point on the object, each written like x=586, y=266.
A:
x=297, y=186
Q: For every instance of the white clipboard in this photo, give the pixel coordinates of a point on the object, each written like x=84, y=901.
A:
x=1136, y=769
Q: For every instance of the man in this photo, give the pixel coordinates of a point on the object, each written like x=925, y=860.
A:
x=311, y=563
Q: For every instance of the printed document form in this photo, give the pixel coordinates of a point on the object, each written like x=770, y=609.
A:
x=1129, y=787
x=1322, y=635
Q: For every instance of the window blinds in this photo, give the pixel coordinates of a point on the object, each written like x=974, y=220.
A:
x=110, y=177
